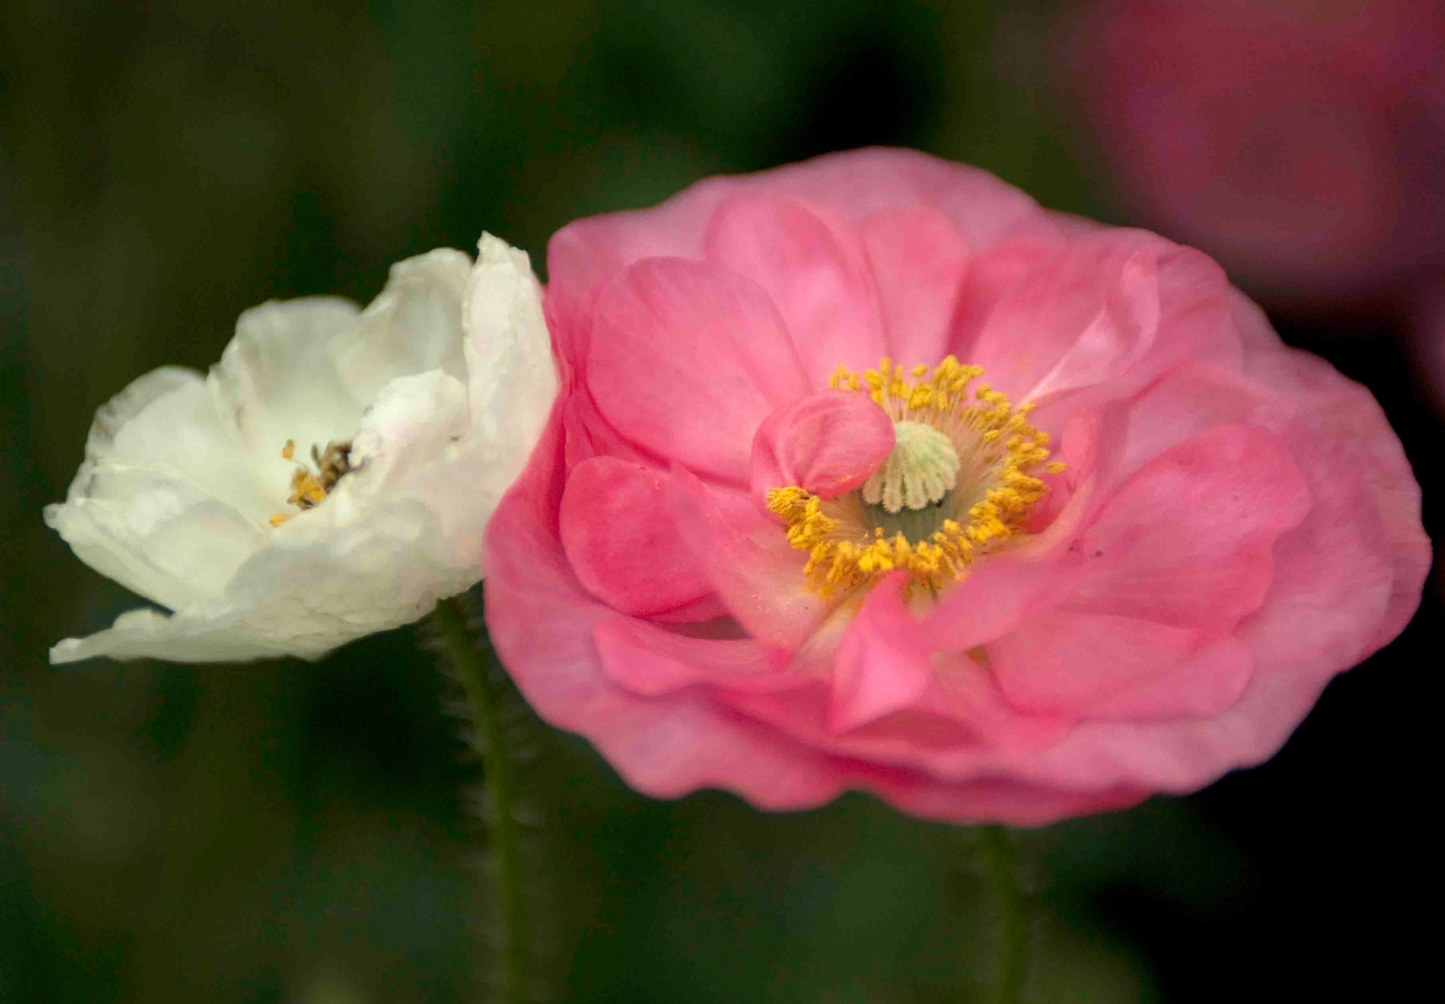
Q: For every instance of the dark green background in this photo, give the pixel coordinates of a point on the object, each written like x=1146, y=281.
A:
x=295, y=832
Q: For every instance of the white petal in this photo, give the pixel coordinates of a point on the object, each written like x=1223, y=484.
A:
x=297, y=597
x=415, y=421
x=414, y=325
x=131, y=401
x=383, y=570
x=165, y=423
x=166, y=544
x=160, y=503
x=276, y=381
x=511, y=376
x=142, y=634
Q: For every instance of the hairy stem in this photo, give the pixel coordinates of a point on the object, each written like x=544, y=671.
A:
x=1013, y=911
x=471, y=658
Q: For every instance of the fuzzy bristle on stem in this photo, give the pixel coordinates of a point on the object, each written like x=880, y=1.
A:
x=502, y=729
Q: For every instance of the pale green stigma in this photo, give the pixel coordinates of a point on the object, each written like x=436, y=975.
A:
x=920, y=471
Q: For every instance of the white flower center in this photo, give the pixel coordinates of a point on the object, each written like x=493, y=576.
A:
x=920, y=471
x=308, y=487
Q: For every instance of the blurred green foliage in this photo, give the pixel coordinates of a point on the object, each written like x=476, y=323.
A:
x=290, y=832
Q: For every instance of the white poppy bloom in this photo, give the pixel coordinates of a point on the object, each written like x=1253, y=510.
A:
x=421, y=409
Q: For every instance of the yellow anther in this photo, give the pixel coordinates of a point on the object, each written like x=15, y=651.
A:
x=990, y=491
x=309, y=488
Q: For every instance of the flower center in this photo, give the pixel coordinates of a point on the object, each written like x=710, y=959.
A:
x=959, y=481
x=309, y=487
x=918, y=473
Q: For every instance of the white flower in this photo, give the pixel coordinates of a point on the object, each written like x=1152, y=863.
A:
x=440, y=387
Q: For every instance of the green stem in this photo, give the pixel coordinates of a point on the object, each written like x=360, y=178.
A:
x=1013, y=909
x=471, y=657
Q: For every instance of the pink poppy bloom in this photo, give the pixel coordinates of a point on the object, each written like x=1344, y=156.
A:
x=869, y=473
x=1303, y=144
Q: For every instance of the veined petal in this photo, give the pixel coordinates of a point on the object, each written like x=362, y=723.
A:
x=688, y=359
x=747, y=561
x=828, y=443
x=920, y=262
x=815, y=272
x=616, y=525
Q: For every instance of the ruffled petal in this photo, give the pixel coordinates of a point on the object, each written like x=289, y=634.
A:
x=616, y=525
x=160, y=504
x=882, y=666
x=860, y=183
x=1347, y=414
x=815, y=271
x=413, y=422
x=298, y=597
x=511, y=377
x=1332, y=585
x=1187, y=540
x=651, y=661
x=1053, y=318
x=414, y=325
x=828, y=443
x=583, y=256
x=1076, y=663
x=687, y=360
x=748, y=562
x=920, y=262
x=665, y=745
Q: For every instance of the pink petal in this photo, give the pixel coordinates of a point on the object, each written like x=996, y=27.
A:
x=1192, y=399
x=883, y=666
x=1069, y=662
x=921, y=264
x=748, y=561
x=1000, y=593
x=1348, y=415
x=586, y=254
x=616, y=527
x=829, y=443
x=1001, y=800
x=1187, y=540
x=649, y=660
x=1209, y=683
x=687, y=360
x=860, y=183
x=1087, y=313
x=813, y=267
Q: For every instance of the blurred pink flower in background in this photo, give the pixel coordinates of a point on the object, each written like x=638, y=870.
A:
x=1427, y=318
x=1124, y=558
x=1303, y=144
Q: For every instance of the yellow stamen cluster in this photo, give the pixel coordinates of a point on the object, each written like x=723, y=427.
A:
x=995, y=488
x=309, y=488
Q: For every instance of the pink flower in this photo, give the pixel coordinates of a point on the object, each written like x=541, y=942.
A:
x=1126, y=565
x=1304, y=144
